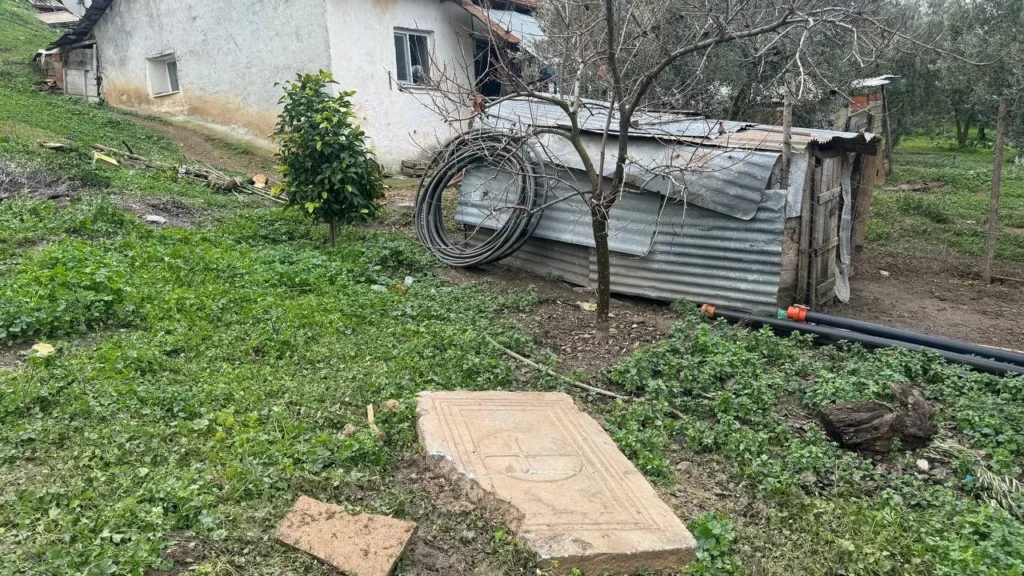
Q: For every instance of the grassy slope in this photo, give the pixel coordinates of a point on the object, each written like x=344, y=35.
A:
x=950, y=215
x=203, y=376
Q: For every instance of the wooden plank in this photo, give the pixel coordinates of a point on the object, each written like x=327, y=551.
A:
x=804, y=254
x=830, y=195
x=826, y=291
x=787, y=295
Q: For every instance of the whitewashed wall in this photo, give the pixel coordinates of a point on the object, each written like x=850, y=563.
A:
x=229, y=53
x=400, y=124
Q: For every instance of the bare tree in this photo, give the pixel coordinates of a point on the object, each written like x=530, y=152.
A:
x=621, y=52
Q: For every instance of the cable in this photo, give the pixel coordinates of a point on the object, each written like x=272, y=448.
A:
x=505, y=152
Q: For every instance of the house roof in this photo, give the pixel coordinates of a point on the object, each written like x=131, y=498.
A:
x=46, y=4
x=85, y=25
x=873, y=82
x=513, y=26
x=57, y=18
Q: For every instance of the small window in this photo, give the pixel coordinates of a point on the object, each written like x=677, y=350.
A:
x=412, y=56
x=163, y=75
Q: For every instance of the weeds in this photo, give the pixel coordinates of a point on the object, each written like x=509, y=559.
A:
x=750, y=398
x=954, y=214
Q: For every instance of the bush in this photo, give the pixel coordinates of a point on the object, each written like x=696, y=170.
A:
x=327, y=168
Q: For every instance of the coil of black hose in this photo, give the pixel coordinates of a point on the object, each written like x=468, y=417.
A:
x=475, y=148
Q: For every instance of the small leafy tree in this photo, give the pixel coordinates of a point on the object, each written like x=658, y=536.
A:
x=326, y=166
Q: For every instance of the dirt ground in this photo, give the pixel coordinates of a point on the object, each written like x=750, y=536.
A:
x=560, y=324
x=212, y=150
x=941, y=296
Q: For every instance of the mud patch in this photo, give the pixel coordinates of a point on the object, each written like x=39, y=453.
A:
x=25, y=181
x=12, y=357
x=559, y=324
x=702, y=486
x=208, y=149
x=940, y=296
x=183, y=555
x=454, y=537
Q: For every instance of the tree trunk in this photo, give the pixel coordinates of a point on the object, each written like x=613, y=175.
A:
x=787, y=130
x=333, y=231
x=981, y=132
x=873, y=426
x=993, y=201
x=599, y=220
x=963, y=130
x=739, y=101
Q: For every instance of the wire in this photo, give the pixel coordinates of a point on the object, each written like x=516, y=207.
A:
x=507, y=153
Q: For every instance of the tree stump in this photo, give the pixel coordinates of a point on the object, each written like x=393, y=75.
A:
x=872, y=426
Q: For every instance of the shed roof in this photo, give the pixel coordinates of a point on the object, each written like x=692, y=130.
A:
x=873, y=82
x=680, y=127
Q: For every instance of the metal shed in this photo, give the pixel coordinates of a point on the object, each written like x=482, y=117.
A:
x=717, y=228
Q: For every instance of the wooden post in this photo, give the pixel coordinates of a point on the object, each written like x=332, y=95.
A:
x=806, y=213
x=993, y=201
x=888, y=132
x=787, y=130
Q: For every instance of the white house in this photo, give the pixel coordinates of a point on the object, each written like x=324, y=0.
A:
x=219, y=60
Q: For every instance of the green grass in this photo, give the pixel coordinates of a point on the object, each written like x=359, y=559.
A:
x=204, y=375
x=948, y=215
x=821, y=508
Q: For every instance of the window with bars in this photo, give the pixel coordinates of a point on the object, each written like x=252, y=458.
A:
x=412, y=56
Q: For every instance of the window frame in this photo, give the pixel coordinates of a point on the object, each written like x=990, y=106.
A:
x=428, y=40
x=162, y=62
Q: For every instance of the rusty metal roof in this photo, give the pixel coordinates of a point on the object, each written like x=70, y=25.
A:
x=85, y=25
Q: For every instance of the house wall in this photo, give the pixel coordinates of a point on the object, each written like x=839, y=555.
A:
x=229, y=54
x=402, y=125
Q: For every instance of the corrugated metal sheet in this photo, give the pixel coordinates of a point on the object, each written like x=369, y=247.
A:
x=487, y=196
x=664, y=249
x=707, y=257
x=594, y=117
x=523, y=26
x=520, y=112
x=873, y=82
x=46, y=4
x=728, y=181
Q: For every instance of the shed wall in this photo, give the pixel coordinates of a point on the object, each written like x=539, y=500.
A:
x=694, y=253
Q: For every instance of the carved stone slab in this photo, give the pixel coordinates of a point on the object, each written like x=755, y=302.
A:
x=574, y=497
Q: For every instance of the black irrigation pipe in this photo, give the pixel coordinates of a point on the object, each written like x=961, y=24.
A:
x=831, y=335
x=502, y=151
x=801, y=314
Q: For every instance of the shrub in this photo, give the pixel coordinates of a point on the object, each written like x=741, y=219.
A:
x=326, y=166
